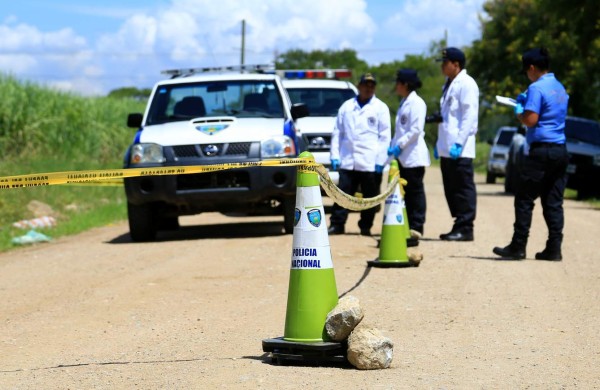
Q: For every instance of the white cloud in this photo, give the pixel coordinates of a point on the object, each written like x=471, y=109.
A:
x=419, y=22
x=182, y=33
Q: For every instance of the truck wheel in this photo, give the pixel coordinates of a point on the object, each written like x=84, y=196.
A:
x=142, y=222
x=289, y=204
x=490, y=178
x=169, y=223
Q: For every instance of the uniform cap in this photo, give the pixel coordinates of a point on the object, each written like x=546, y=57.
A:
x=452, y=54
x=367, y=77
x=406, y=76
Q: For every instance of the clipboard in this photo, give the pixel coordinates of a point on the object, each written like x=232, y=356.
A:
x=506, y=101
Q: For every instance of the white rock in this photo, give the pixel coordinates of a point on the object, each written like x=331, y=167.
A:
x=369, y=349
x=343, y=318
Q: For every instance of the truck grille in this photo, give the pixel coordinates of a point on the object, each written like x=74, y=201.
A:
x=223, y=179
x=240, y=149
x=185, y=151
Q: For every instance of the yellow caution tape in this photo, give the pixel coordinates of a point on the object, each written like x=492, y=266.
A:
x=351, y=202
x=114, y=177
x=77, y=177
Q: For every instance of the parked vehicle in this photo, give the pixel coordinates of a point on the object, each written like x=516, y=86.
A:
x=323, y=94
x=211, y=116
x=583, y=146
x=498, y=157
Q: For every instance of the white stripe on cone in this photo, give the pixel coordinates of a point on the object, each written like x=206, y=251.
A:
x=393, y=212
x=310, y=248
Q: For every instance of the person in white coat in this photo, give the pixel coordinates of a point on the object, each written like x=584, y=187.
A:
x=359, y=144
x=409, y=146
x=456, y=143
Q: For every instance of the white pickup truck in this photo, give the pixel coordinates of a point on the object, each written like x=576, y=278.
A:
x=209, y=116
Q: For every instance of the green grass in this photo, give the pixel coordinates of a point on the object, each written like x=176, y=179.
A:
x=42, y=130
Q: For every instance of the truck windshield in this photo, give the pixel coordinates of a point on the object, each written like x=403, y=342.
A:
x=242, y=99
x=505, y=137
x=321, y=101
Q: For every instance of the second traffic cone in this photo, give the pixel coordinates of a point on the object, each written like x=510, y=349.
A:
x=312, y=291
x=395, y=230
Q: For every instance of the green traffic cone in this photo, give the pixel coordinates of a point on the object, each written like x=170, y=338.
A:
x=312, y=291
x=395, y=230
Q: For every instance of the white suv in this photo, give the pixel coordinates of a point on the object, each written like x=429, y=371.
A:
x=197, y=118
x=323, y=97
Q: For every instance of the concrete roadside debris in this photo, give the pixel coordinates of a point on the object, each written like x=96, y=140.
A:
x=343, y=318
x=41, y=222
x=415, y=256
x=369, y=349
x=31, y=237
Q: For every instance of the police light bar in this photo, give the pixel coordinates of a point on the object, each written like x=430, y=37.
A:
x=315, y=73
x=259, y=68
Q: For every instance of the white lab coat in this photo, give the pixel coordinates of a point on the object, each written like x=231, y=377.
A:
x=361, y=136
x=410, y=132
x=460, y=115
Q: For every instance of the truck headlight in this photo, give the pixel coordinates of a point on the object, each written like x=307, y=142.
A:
x=281, y=146
x=146, y=153
x=597, y=160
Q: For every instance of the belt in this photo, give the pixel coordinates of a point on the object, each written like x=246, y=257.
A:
x=535, y=145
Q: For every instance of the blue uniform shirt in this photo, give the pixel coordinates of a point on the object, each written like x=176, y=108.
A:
x=548, y=98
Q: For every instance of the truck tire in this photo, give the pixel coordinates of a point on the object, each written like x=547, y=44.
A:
x=142, y=222
x=289, y=205
x=490, y=178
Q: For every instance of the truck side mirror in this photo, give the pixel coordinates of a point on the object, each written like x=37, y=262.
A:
x=490, y=141
x=135, y=120
x=299, y=110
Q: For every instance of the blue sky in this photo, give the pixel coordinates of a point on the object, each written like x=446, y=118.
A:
x=94, y=46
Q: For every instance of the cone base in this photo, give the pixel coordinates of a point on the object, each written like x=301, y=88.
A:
x=391, y=264
x=288, y=352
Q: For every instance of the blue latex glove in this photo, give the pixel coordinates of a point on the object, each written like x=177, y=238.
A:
x=455, y=151
x=519, y=109
x=335, y=164
x=378, y=168
x=396, y=151
x=522, y=98
x=436, y=155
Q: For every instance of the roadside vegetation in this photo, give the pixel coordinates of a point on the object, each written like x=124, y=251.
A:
x=42, y=130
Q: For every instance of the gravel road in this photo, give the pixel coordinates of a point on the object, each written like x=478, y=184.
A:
x=98, y=311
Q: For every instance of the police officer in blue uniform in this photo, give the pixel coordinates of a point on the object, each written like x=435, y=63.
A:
x=456, y=143
x=543, y=109
x=359, y=143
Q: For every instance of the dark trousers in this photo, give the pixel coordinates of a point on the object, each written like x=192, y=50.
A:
x=461, y=195
x=543, y=175
x=414, y=197
x=369, y=183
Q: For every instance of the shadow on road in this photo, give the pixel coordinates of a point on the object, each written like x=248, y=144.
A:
x=362, y=279
x=222, y=230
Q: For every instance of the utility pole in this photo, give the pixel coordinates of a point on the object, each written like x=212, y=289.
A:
x=242, y=60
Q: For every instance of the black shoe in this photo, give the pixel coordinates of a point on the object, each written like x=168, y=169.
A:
x=457, y=236
x=365, y=232
x=548, y=255
x=446, y=235
x=510, y=252
x=335, y=229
